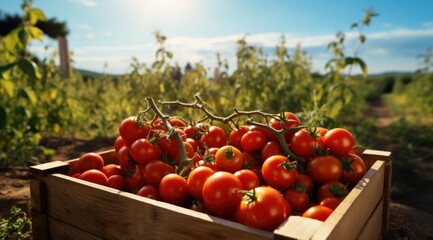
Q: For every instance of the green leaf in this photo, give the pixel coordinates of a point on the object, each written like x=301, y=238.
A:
x=3, y=117
x=4, y=70
x=169, y=54
x=31, y=95
x=8, y=86
x=29, y=68
x=362, y=38
x=22, y=38
x=36, y=14
x=355, y=25
x=35, y=32
x=363, y=66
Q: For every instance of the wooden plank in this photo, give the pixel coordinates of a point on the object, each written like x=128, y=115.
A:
x=38, y=195
x=373, y=228
x=371, y=156
x=42, y=170
x=39, y=226
x=61, y=230
x=296, y=227
x=110, y=214
x=350, y=216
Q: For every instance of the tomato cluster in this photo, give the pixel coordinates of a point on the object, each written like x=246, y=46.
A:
x=257, y=175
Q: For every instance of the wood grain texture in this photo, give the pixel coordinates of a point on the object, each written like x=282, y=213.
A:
x=38, y=195
x=42, y=170
x=296, y=227
x=61, y=230
x=373, y=228
x=39, y=226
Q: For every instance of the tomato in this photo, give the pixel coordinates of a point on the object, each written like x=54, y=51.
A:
x=74, y=168
x=124, y=159
x=111, y=169
x=298, y=200
x=194, y=144
x=169, y=145
x=119, y=143
x=177, y=123
x=331, y=189
x=173, y=189
x=155, y=170
x=192, y=132
x=270, y=149
x=220, y=193
x=290, y=120
x=116, y=181
x=135, y=179
x=263, y=208
x=270, y=136
x=196, y=180
x=251, y=159
x=330, y=202
x=324, y=169
x=130, y=130
x=248, y=178
x=236, y=135
x=353, y=169
x=142, y=151
x=149, y=191
x=279, y=172
x=321, y=131
x=89, y=161
x=305, y=182
x=199, y=206
x=253, y=141
x=339, y=141
x=208, y=161
x=306, y=142
x=214, y=137
x=318, y=212
x=229, y=158
x=94, y=176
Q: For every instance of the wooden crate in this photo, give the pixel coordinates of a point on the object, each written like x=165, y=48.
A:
x=68, y=208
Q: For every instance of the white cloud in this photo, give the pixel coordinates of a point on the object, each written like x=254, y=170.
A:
x=108, y=34
x=401, y=33
x=88, y=3
x=428, y=24
x=378, y=52
x=84, y=26
x=90, y=35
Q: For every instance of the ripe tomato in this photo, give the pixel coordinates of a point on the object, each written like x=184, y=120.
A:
x=290, y=121
x=116, y=181
x=279, y=172
x=177, y=123
x=251, y=159
x=169, y=145
x=263, y=208
x=236, y=135
x=194, y=143
x=111, y=169
x=253, y=141
x=130, y=130
x=220, y=193
x=155, y=170
x=324, y=169
x=304, y=181
x=214, y=137
x=331, y=189
x=208, y=161
x=198, y=205
x=270, y=136
x=248, y=178
x=135, y=179
x=119, y=143
x=173, y=189
x=339, y=141
x=353, y=169
x=298, y=200
x=196, y=180
x=318, y=212
x=89, y=161
x=330, y=202
x=229, y=158
x=149, y=191
x=305, y=143
x=94, y=176
x=124, y=159
x=270, y=149
x=142, y=151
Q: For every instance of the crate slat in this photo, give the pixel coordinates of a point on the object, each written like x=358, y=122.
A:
x=373, y=227
x=61, y=230
x=296, y=227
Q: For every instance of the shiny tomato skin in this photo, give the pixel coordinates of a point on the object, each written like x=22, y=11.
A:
x=305, y=143
x=130, y=131
x=94, y=176
x=116, y=181
x=173, y=189
x=324, y=169
x=135, y=179
x=253, y=141
x=229, y=158
x=318, y=212
x=155, y=170
x=124, y=159
x=220, y=193
x=111, y=169
x=290, y=121
x=304, y=181
x=214, y=137
x=331, y=189
x=89, y=161
x=276, y=174
x=236, y=135
x=267, y=211
x=270, y=149
x=339, y=141
x=118, y=143
x=142, y=151
x=248, y=178
x=299, y=201
x=330, y=202
x=149, y=191
x=196, y=180
x=354, y=169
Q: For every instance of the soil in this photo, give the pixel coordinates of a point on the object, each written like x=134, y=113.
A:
x=411, y=215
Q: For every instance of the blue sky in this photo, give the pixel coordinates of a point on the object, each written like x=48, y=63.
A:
x=111, y=32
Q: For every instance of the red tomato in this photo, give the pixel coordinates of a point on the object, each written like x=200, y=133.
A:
x=74, y=168
x=353, y=169
x=135, y=179
x=253, y=141
x=155, y=170
x=339, y=141
x=196, y=180
x=229, y=158
x=192, y=132
x=116, y=181
x=199, y=206
x=290, y=121
x=236, y=135
x=305, y=182
x=324, y=169
x=331, y=189
x=119, y=143
x=330, y=202
x=194, y=143
x=111, y=169
x=270, y=149
x=177, y=123
x=94, y=176
x=149, y=191
x=220, y=193
x=130, y=131
x=270, y=136
x=169, y=145
x=89, y=161
x=173, y=189
x=305, y=143
x=124, y=159
x=322, y=131
x=248, y=178
x=263, y=208
x=142, y=151
x=298, y=200
x=279, y=172
x=251, y=159
x=214, y=137
x=318, y=212
x=208, y=161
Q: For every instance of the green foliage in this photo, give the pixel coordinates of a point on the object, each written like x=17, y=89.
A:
x=16, y=226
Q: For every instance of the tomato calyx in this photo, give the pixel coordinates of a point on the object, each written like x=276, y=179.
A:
x=288, y=165
x=229, y=153
x=299, y=188
x=248, y=196
x=346, y=163
x=338, y=191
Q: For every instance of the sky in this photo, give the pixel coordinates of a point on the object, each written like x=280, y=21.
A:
x=106, y=34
